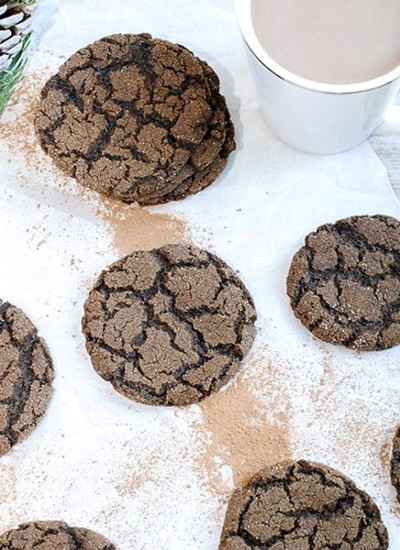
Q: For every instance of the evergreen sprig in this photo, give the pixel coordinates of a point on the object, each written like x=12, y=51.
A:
x=18, y=2
x=10, y=77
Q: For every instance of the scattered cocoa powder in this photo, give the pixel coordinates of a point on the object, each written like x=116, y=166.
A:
x=16, y=123
x=8, y=480
x=242, y=434
x=384, y=455
x=131, y=481
x=136, y=228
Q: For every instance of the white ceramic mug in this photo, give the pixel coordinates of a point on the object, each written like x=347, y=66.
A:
x=311, y=116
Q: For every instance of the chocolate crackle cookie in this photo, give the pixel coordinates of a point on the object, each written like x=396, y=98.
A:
x=302, y=506
x=26, y=375
x=53, y=535
x=395, y=463
x=344, y=283
x=137, y=119
x=169, y=326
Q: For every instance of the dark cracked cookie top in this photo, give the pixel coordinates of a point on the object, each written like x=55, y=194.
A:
x=26, y=374
x=136, y=118
x=169, y=326
x=344, y=283
x=395, y=463
x=302, y=506
x=52, y=535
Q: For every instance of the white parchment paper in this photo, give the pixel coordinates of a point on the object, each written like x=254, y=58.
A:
x=129, y=471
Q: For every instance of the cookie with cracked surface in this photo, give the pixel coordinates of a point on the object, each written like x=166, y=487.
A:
x=197, y=180
x=344, y=283
x=26, y=376
x=54, y=535
x=395, y=463
x=302, y=506
x=169, y=326
x=131, y=117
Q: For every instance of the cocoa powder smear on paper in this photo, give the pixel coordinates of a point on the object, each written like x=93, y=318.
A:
x=18, y=131
x=242, y=436
x=136, y=228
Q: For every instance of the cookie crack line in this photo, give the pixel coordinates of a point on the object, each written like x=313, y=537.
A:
x=27, y=375
x=395, y=463
x=343, y=284
x=131, y=116
x=305, y=502
x=356, y=327
x=185, y=317
x=153, y=321
x=175, y=322
x=56, y=535
x=346, y=230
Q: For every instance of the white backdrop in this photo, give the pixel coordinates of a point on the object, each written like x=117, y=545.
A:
x=136, y=473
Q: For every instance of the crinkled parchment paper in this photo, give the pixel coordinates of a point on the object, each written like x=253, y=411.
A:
x=150, y=477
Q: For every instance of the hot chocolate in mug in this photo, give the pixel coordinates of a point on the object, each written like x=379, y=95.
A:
x=326, y=70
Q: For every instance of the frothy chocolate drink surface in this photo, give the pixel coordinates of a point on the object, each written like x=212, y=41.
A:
x=336, y=42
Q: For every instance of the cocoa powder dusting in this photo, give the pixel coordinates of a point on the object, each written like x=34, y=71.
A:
x=16, y=125
x=384, y=455
x=136, y=228
x=8, y=480
x=241, y=433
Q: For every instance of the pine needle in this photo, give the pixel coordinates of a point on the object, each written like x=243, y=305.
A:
x=18, y=2
x=10, y=77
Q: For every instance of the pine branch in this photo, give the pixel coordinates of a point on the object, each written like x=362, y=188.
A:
x=17, y=3
x=9, y=78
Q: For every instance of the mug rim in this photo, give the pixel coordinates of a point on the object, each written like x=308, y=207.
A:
x=243, y=16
